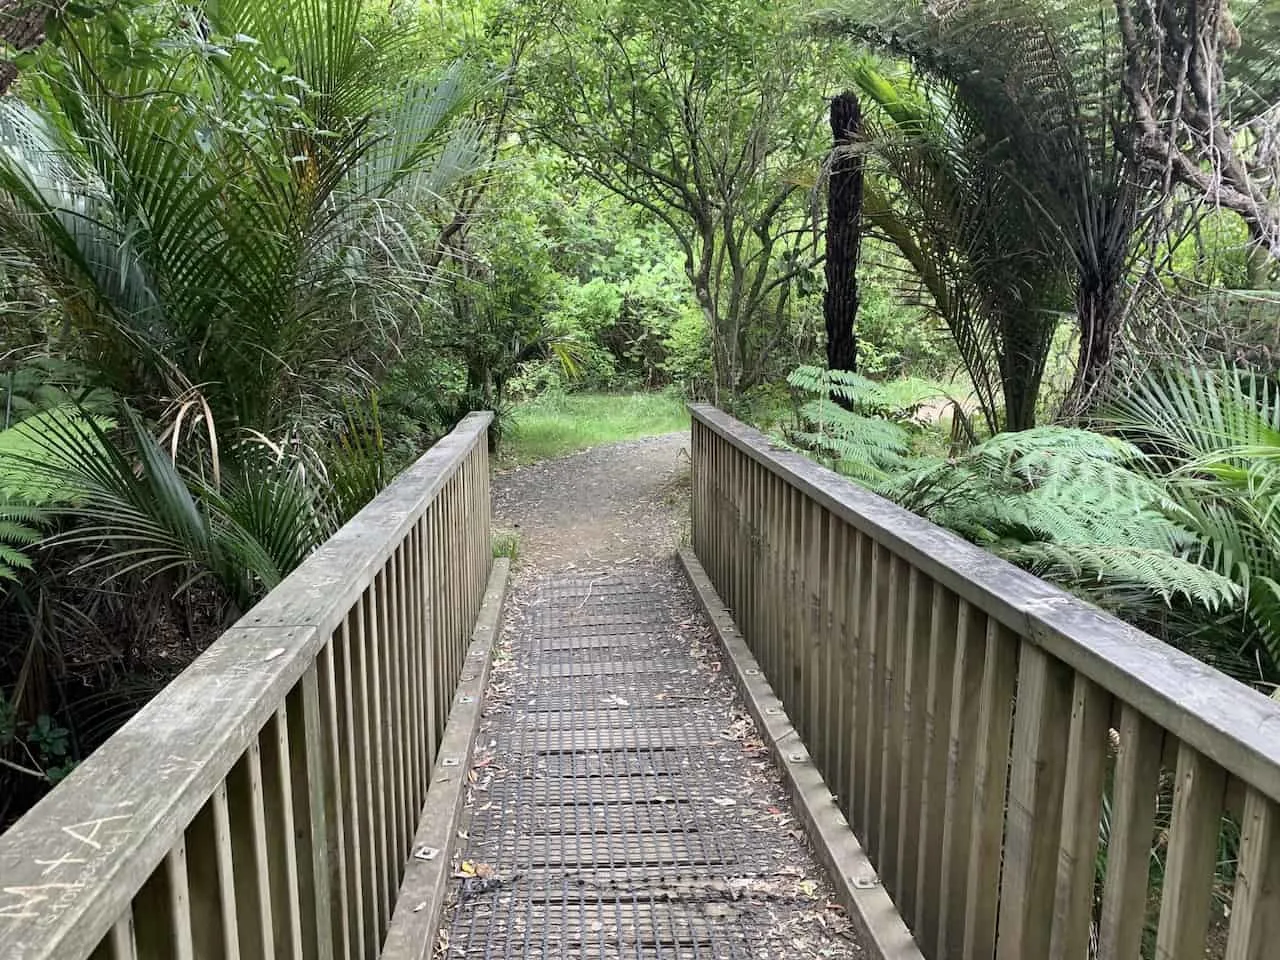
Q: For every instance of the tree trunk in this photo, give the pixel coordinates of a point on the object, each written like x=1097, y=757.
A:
x=1098, y=316
x=22, y=24
x=844, y=234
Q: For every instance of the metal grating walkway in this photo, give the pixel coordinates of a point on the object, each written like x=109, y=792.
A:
x=620, y=806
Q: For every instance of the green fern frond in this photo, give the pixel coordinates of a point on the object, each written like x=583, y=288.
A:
x=821, y=382
x=18, y=531
x=1099, y=565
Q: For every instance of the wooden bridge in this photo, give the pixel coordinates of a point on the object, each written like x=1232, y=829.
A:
x=987, y=766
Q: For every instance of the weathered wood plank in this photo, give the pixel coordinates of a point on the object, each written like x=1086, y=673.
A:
x=1034, y=824
x=225, y=872
x=1124, y=898
x=915, y=695
x=894, y=723
x=833, y=665
x=1198, y=791
x=337, y=826
x=1082, y=811
x=1255, y=906
x=875, y=630
x=1200, y=706
x=118, y=831
x=1000, y=666
x=943, y=630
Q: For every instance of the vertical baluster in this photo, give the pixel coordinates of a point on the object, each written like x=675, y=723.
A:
x=465, y=565
x=389, y=687
x=249, y=849
x=878, y=660
x=915, y=691
x=806, y=610
x=720, y=506
x=370, y=643
x=447, y=519
x=335, y=796
x=207, y=882
x=418, y=749
x=355, y=720
x=119, y=943
x=844, y=613
x=281, y=835
x=966, y=688
x=819, y=684
x=472, y=591
x=782, y=600
x=1082, y=812
x=695, y=487
x=833, y=664
x=225, y=870
x=1124, y=897
x=1040, y=741
x=385, y=711
x=755, y=586
x=733, y=554
x=760, y=643
x=870, y=582
x=456, y=632
x=312, y=785
x=893, y=633
x=1193, y=849
x=990, y=769
x=772, y=644
x=400, y=686
x=179, y=906
x=1255, y=907
x=857, y=572
x=427, y=642
x=436, y=568
x=944, y=627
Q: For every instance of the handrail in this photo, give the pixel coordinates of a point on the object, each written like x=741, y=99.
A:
x=971, y=718
x=264, y=802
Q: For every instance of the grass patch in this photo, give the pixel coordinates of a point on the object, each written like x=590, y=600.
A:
x=506, y=543
x=558, y=424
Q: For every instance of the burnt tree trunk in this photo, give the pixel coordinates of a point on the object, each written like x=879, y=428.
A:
x=22, y=24
x=844, y=234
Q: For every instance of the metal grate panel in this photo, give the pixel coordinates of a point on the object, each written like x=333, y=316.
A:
x=621, y=818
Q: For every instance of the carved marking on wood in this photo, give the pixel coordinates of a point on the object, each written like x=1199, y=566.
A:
x=51, y=865
x=31, y=896
x=96, y=825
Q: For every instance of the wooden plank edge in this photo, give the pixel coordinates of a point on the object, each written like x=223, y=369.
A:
x=1219, y=716
x=415, y=922
x=858, y=886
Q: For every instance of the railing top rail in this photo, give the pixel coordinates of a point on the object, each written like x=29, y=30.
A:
x=73, y=863
x=1223, y=719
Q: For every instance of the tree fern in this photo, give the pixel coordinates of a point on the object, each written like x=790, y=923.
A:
x=19, y=530
x=1069, y=505
x=863, y=438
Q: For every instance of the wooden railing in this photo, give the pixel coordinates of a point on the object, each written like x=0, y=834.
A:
x=263, y=805
x=1031, y=777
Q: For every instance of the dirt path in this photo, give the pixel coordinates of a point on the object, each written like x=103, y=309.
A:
x=611, y=504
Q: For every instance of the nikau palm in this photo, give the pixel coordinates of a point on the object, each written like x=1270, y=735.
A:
x=1214, y=436
x=232, y=216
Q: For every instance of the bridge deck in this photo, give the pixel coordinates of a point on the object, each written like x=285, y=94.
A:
x=621, y=804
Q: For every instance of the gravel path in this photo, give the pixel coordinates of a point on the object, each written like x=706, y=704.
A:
x=621, y=803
